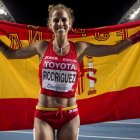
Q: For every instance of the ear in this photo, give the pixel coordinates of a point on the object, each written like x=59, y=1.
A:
x=70, y=24
x=49, y=25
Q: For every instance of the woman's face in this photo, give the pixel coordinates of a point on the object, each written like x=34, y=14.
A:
x=60, y=22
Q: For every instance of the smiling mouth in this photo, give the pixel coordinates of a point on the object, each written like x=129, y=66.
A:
x=61, y=30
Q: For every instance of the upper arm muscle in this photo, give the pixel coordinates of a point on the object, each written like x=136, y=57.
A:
x=26, y=52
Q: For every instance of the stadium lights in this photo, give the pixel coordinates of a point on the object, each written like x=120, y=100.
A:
x=134, y=14
x=3, y=12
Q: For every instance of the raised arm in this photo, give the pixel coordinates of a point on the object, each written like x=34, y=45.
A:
x=85, y=48
x=24, y=52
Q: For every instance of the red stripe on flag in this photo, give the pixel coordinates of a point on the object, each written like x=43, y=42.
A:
x=117, y=105
x=16, y=114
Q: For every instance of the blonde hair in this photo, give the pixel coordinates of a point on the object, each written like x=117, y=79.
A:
x=69, y=11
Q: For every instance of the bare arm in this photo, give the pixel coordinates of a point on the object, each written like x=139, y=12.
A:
x=103, y=50
x=85, y=48
x=24, y=52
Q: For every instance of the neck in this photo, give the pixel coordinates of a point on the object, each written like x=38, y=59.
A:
x=60, y=45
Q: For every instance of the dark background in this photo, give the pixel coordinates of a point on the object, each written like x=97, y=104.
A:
x=88, y=13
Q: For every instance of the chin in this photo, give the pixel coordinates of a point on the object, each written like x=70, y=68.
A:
x=61, y=33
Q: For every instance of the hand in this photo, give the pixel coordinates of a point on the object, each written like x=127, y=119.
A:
x=135, y=37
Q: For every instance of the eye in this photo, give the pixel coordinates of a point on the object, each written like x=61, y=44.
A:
x=55, y=20
x=64, y=19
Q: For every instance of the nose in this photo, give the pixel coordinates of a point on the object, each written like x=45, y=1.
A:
x=60, y=22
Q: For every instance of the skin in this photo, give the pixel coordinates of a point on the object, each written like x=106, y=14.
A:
x=60, y=24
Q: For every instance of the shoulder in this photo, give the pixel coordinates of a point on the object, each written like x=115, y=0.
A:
x=81, y=45
x=41, y=46
x=40, y=43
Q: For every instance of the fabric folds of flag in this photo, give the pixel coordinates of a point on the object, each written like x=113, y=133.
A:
x=109, y=86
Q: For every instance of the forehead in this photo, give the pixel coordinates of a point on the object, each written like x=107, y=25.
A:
x=59, y=13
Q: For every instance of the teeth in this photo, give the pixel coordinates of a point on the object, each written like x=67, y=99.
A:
x=60, y=29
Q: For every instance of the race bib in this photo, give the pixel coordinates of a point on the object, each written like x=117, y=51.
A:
x=58, y=80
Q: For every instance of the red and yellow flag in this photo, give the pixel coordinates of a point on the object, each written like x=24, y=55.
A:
x=109, y=87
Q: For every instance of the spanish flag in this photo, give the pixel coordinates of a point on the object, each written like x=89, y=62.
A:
x=109, y=86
